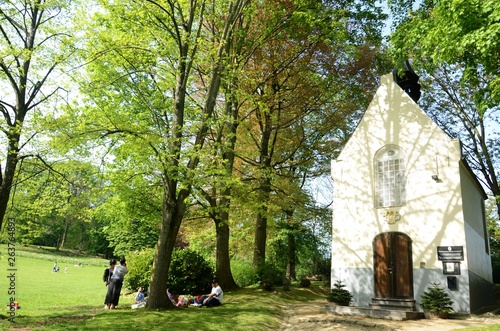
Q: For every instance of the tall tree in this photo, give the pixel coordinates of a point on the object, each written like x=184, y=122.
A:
x=214, y=193
x=294, y=76
x=33, y=43
x=150, y=101
x=456, y=44
x=450, y=104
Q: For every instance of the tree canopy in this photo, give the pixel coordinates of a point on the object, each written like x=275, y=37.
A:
x=457, y=44
x=464, y=32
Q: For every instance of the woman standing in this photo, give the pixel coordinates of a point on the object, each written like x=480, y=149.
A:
x=106, y=278
x=116, y=283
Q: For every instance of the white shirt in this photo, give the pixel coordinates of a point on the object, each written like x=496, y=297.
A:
x=219, y=295
x=119, y=272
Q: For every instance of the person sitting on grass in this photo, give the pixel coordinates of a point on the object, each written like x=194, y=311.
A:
x=214, y=298
x=139, y=297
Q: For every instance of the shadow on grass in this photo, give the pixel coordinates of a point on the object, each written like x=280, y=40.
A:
x=245, y=309
x=73, y=315
x=226, y=317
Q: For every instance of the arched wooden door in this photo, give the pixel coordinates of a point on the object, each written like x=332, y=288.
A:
x=392, y=265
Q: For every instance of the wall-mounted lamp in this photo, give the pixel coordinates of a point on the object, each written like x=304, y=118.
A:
x=436, y=176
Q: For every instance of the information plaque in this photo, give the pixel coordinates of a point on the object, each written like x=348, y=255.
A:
x=450, y=253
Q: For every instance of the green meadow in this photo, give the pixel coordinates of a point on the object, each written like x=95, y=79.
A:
x=74, y=300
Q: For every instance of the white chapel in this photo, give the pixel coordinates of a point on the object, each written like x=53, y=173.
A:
x=407, y=209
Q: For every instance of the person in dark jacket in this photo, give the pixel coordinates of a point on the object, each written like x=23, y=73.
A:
x=115, y=284
x=106, y=278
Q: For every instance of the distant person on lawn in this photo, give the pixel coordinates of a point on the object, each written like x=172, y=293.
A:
x=214, y=298
x=116, y=283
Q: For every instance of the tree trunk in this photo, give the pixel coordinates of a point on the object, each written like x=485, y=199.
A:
x=172, y=215
x=223, y=261
x=497, y=199
x=64, y=234
x=7, y=178
x=291, y=246
x=290, y=264
x=223, y=265
x=259, y=253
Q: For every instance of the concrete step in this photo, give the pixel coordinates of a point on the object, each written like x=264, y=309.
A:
x=393, y=304
x=392, y=314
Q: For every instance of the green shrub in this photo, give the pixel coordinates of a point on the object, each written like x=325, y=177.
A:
x=244, y=273
x=339, y=294
x=304, y=282
x=189, y=273
x=435, y=299
x=139, y=265
x=270, y=276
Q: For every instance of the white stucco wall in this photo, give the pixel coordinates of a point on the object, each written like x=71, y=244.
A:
x=433, y=215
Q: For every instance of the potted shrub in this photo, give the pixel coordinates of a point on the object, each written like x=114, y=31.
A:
x=436, y=302
x=339, y=294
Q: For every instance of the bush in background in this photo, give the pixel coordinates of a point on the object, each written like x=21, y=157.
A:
x=139, y=264
x=189, y=273
x=270, y=276
x=305, y=282
x=244, y=274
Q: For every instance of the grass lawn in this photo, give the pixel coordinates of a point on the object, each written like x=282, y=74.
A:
x=74, y=300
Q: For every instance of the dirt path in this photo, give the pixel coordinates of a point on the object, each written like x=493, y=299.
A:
x=312, y=316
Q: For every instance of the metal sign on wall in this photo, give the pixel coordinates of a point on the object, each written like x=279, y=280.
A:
x=450, y=253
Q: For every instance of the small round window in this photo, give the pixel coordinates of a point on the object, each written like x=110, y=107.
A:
x=390, y=153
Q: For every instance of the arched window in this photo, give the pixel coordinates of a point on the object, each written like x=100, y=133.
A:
x=390, y=190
